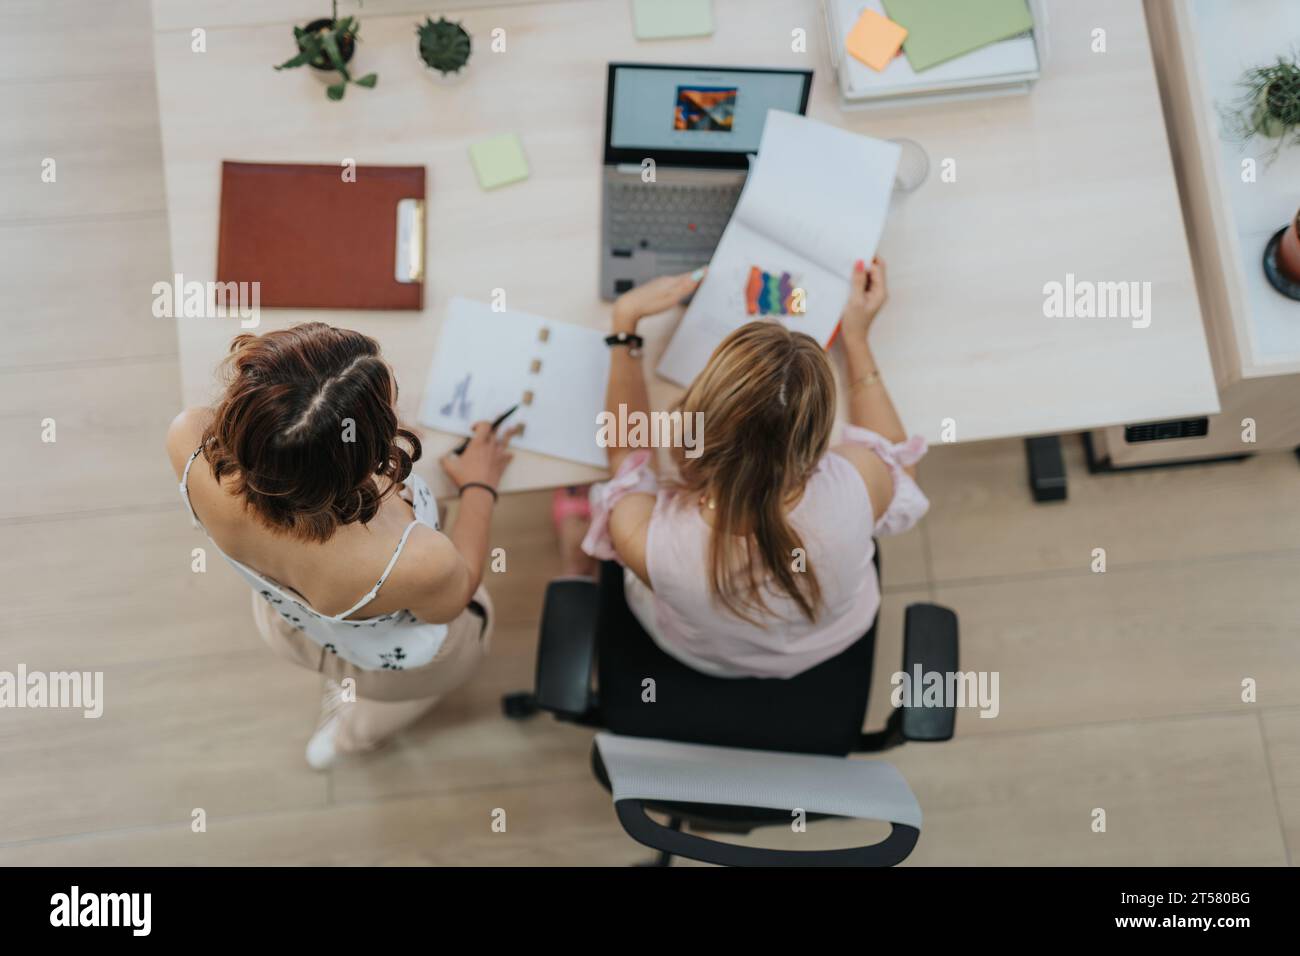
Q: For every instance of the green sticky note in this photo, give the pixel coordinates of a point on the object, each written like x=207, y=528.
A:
x=498, y=161
x=939, y=30
x=664, y=19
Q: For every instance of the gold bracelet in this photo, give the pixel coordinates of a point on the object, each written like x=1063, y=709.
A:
x=871, y=378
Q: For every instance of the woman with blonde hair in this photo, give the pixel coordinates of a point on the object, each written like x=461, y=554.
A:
x=755, y=558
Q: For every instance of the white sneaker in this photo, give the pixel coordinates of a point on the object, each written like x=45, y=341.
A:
x=321, y=749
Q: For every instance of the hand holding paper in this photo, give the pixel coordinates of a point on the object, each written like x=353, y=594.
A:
x=815, y=203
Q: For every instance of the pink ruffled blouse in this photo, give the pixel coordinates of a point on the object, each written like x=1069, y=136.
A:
x=833, y=520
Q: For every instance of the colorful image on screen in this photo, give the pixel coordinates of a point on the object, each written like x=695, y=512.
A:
x=705, y=108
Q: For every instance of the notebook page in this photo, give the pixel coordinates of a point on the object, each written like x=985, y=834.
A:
x=486, y=361
x=814, y=202
x=721, y=304
x=820, y=190
x=569, y=392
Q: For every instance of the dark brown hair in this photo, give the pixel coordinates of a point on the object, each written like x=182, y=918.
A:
x=767, y=398
x=306, y=425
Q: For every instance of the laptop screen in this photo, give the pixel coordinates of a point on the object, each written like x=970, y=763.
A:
x=697, y=116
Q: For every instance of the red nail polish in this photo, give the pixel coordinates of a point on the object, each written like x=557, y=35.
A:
x=859, y=265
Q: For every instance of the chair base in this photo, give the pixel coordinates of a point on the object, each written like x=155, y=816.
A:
x=520, y=705
x=663, y=857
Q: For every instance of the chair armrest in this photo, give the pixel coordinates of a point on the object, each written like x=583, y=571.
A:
x=567, y=646
x=645, y=771
x=929, y=645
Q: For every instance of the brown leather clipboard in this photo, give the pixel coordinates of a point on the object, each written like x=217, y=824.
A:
x=317, y=238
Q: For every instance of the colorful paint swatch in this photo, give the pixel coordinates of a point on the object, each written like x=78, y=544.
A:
x=767, y=293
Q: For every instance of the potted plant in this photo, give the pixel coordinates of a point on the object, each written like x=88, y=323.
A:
x=327, y=46
x=444, y=46
x=1270, y=104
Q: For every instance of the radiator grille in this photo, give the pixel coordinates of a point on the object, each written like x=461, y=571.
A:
x=1164, y=431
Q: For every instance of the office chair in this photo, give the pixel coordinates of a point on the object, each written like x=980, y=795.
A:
x=732, y=754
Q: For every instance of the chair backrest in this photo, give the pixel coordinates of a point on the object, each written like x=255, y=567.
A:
x=666, y=776
x=662, y=771
x=820, y=711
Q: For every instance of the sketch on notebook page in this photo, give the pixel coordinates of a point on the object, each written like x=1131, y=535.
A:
x=459, y=405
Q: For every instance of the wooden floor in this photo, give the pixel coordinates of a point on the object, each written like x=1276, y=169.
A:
x=1119, y=691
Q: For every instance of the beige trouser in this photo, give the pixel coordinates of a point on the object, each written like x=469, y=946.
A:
x=386, y=700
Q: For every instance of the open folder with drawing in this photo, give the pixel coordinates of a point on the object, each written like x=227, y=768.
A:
x=487, y=361
x=814, y=203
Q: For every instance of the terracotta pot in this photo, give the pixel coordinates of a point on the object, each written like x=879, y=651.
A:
x=1288, y=251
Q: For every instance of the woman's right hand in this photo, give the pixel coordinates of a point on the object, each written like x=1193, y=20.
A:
x=485, y=459
x=651, y=298
x=867, y=295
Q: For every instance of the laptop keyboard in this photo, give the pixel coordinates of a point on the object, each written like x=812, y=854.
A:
x=668, y=218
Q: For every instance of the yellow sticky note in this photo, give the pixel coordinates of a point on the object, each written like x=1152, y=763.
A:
x=875, y=40
x=499, y=161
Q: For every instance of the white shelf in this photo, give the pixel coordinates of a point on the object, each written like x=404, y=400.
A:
x=1228, y=39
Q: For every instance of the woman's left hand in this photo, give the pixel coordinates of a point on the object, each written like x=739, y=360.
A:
x=867, y=294
x=653, y=297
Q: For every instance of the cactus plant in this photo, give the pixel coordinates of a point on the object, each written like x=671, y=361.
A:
x=444, y=46
x=328, y=45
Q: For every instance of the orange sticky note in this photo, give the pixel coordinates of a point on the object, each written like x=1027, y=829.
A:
x=874, y=39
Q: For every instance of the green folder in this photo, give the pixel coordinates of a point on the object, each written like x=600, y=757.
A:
x=939, y=30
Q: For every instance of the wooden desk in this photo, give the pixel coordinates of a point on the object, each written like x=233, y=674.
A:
x=1074, y=178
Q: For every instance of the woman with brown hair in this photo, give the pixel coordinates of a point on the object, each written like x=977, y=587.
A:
x=301, y=476
x=755, y=558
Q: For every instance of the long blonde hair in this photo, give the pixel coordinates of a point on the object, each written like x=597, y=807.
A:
x=767, y=398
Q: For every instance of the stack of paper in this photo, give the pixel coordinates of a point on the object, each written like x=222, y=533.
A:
x=814, y=203
x=1007, y=65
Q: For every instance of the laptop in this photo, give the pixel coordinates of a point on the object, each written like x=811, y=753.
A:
x=677, y=146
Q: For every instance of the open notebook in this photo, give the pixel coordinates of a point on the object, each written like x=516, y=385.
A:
x=487, y=361
x=815, y=201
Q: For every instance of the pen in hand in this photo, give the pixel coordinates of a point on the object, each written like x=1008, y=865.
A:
x=460, y=449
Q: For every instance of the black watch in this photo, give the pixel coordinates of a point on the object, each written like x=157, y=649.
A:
x=633, y=342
